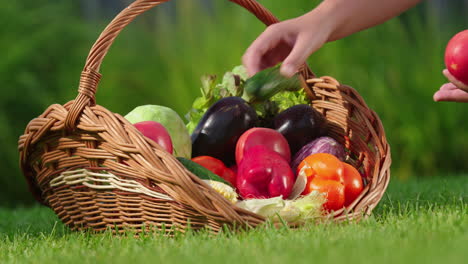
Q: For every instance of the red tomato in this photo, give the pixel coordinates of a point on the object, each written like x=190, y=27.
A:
x=334, y=191
x=352, y=183
x=270, y=138
x=157, y=132
x=217, y=167
x=230, y=176
x=234, y=168
x=456, y=56
x=323, y=166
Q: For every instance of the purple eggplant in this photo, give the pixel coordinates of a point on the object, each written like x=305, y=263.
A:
x=299, y=124
x=221, y=126
x=319, y=145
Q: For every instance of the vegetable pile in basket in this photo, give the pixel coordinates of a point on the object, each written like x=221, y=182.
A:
x=259, y=143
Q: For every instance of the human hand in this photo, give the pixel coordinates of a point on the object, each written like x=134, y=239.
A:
x=455, y=91
x=291, y=42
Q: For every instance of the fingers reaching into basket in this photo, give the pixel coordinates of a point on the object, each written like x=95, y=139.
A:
x=290, y=42
x=454, y=91
x=294, y=40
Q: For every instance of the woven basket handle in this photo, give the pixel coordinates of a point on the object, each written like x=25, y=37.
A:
x=90, y=75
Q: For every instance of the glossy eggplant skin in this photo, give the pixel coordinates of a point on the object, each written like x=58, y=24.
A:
x=299, y=124
x=219, y=129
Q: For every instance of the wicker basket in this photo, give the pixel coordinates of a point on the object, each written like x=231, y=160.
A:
x=96, y=171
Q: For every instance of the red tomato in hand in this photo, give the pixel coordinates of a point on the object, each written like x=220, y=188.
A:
x=334, y=191
x=217, y=167
x=267, y=137
x=456, y=56
x=352, y=182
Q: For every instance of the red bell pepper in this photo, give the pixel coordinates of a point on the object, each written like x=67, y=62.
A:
x=264, y=173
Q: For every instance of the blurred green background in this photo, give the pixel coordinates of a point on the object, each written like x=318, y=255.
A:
x=160, y=57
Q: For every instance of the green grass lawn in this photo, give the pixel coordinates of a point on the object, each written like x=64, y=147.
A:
x=420, y=221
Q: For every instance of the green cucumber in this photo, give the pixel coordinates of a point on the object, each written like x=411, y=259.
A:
x=200, y=171
x=267, y=83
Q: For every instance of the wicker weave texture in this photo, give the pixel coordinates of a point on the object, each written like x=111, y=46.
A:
x=97, y=171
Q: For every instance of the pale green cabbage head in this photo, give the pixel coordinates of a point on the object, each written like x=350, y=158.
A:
x=167, y=117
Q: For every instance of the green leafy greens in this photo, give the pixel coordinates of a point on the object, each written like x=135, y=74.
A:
x=232, y=84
